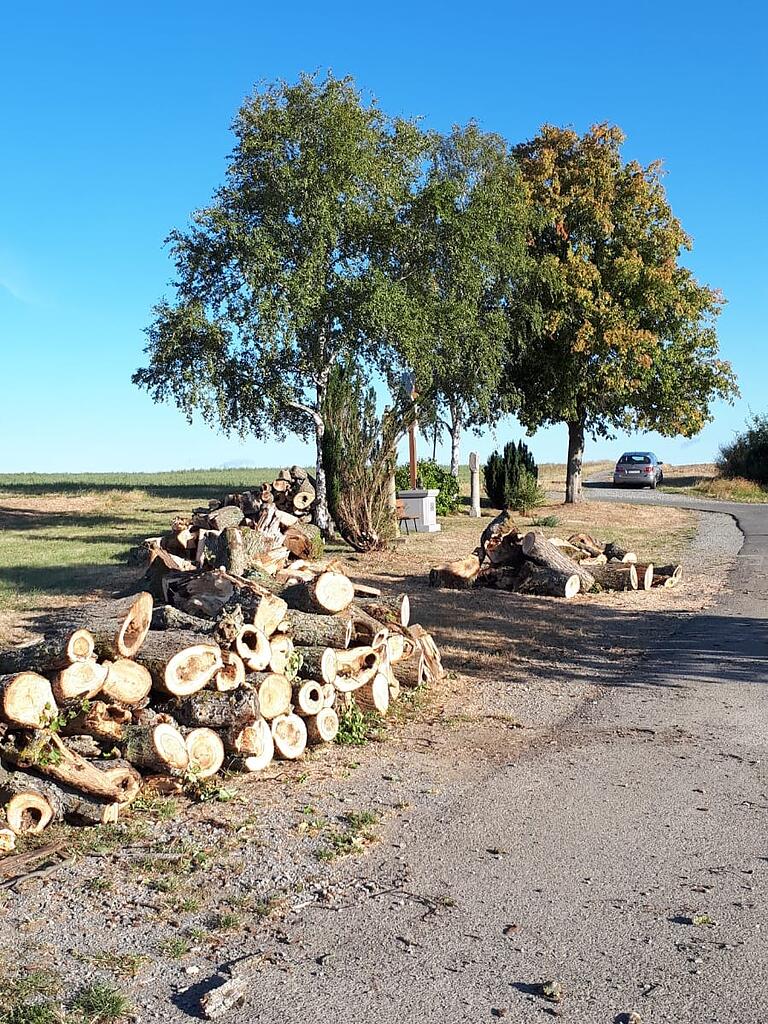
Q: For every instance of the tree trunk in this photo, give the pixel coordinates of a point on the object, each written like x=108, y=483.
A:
x=57, y=650
x=216, y=710
x=322, y=727
x=541, y=581
x=309, y=630
x=456, y=426
x=538, y=549
x=575, y=460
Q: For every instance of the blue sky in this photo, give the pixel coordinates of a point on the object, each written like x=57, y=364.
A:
x=115, y=125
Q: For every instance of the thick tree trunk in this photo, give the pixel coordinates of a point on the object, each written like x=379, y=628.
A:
x=455, y=431
x=575, y=460
x=538, y=550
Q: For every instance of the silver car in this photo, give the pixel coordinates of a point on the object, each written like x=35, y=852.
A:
x=638, y=469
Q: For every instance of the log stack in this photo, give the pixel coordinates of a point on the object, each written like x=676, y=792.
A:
x=530, y=563
x=122, y=690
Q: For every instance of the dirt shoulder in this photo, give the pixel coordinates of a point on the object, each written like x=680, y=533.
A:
x=161, y=901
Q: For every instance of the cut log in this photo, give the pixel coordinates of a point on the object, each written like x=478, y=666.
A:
x=410, y=671
x=391, y=611
x=366, y=630
x=308, y=630
x=123, y=777
x=180, y=662
x=104, y=721
x=304, y=540
x=539, y=580
x=274, y=693
x=216, y=710
x=395, y=644
x=165, y=616
x=253, y=647
x=118, y=627
x=159, y=748
x=504, y=549
x=221, y=518
x=319, y=663
x=281, y=647
x=81, y=679
x=26, y=699
x=374, y=696
x=33, y=803
x=231, y=675
x=644, y=576
x=322, y=727
x=326, y=594
x=613, y=552
x=498, y=527
x=433, y=665
x=308, y=698
x=127, y=682
x=7, y=841
x=457, y=575
x=206, y=752
x=57, y=650
x=355, y=668
x=329, y=695
x=49, y=756
x=538, y=549
x=586, y=543
x=667, y=575
x=253, y=743
x=290, y=736
x=616, y=576
x=304, y=496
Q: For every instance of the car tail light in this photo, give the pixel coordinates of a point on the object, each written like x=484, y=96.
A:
x=648, y=469
x=619, y=469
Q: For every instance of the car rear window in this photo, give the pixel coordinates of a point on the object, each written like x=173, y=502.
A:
x=635, y=460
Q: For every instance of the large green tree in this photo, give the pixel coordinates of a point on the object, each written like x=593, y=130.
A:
x=284, y=274
x=612, y=331
x=466, y=241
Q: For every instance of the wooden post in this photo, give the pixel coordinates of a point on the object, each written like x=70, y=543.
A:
x=474, y=484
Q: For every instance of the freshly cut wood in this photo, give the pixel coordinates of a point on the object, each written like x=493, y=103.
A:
x=539, y=580
x=290, y=736
x=56, y=650
x=281, y=646
x=322, y=727
x=395, y=644
x=498, y=527
x=81, y=679
x=326, y=594
x=280, y=486
x=374, y=696
x=127, y=682
x=180, y=662
x=410, y=671
x=356, y=667
x=366, y=592
x=308, y=630
x=50, y=756
x=538, y=549
x=304, y=540
x=304, y=496
x=329, y=695
x=616, y=576
x=253, y=743
x=613, y=552
x=644, y=576
x=433, y=665
x=308, y=697
x=319, y=663
x=252, y=645
x=229, y=515
x=667, y=575
x=365, y=629
x=118, y=627
x=586, y=543
x=394, y=687
x=206, y=752
x=274, y=693
x=216, y=710
x=392, y=611
x=104, y=721
x=457, y=575
x=157, y=747
x=504, y=549
x=26, y=699
x=232, y=673
x=34, y=803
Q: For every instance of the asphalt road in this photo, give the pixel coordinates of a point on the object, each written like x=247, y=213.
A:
x=626, y=858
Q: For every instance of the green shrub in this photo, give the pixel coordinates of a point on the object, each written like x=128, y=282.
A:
x=511, y=479
x=433, y=478
x=747, y=455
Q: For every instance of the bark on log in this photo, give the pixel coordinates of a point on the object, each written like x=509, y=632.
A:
x=538, y=580
x=252, y=645
x=165, y=616
x=55, y=651
x=216, y=710
x=365, y=629
x=228, y=515
x=502, y=524
x=410, y=671
x=123, y=777
x=616, y=576
x=49, y=756
x=504, y=549
x=614, y=551
x=83, y=679
x=322, y=727
x=54, y=802
x=308, y=698
x=156, y=747
x=304, y=540
x=538, y=549
x=127, y=682
x=290, y=736
x=26, y=699
x=457, y=575
x=308, y=630
x=104, y=721
x=391, y=611
x=319, y=663
x=180, y=662
x=206, y=752
x=118, y=627
x=327, y=594
x=667, y=575
x=374, y=696
x=274, y=693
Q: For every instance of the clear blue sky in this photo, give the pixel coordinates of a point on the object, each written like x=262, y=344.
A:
x=115, y=125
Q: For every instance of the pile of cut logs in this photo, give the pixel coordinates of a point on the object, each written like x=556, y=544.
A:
x=258, y=530
x=124, y=694
x=532, y=564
